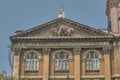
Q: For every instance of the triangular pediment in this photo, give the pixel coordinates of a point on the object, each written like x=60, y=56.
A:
x=61, y=27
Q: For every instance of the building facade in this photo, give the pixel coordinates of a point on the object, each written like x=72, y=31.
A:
x=63, y=49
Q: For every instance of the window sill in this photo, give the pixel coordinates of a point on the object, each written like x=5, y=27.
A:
x=92, y=70
x=31, y=70
x=62, y=71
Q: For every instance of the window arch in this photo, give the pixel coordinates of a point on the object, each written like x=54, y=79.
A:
x=31, y=63
x=92, y=61
x=61, y=61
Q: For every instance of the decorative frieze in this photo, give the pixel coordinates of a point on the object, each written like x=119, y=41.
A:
x=68, y=44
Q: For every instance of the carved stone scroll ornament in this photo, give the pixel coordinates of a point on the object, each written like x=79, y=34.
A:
x=46, y=51
x=62, y=31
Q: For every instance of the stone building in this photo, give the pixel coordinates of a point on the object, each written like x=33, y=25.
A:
x=63, y=49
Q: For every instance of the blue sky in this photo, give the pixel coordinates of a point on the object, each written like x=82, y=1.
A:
x=25, y=14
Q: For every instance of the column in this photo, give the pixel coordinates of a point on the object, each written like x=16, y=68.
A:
x=46, y=52
x=16, y=63
x=107, y=70
x=77, y=63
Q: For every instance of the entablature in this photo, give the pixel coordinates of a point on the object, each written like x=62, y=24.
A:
x=60, y=44
x=61, y=39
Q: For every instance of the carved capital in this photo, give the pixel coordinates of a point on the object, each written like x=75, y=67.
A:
x=113, y=3
x=77, y=51
x=107, y=50
x=17, y=50
x=46, y=51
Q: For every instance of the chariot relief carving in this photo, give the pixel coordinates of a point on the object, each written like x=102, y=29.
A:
x=62, y=31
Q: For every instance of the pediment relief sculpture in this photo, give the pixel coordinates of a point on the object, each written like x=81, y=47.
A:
x=62, y=31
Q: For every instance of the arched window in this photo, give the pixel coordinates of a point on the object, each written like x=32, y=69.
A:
x=31, y=62
x=92, y=61
x=61, y=61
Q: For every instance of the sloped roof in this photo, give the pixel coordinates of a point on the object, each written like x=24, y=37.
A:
x=59, y=20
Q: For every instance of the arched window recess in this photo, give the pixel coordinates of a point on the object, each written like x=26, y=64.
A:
x=92, y=61
x=61, y=61
x=31, y=63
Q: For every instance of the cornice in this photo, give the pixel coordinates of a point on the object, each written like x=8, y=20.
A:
x=62, y=38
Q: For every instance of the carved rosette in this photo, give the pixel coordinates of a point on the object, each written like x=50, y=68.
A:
x=17, y=51
x=107, y=50
x=46, y=51
x=77, y=51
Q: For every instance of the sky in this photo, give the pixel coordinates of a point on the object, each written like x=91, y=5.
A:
x=25, y=14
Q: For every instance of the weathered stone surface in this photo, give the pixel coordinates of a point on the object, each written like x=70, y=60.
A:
x=75, y=39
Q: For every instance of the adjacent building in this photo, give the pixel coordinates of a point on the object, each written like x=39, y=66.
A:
x=63, y=49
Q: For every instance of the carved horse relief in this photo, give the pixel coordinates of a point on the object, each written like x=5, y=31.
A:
x=62, y=31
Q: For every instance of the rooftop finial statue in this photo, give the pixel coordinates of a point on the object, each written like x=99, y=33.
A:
x=61, y=14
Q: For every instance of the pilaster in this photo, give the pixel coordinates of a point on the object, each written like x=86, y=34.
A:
x=46, y=52
x=77, y=63
x=16, y=62
x=22, y=70
x=107, y=71
x=116, y=59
